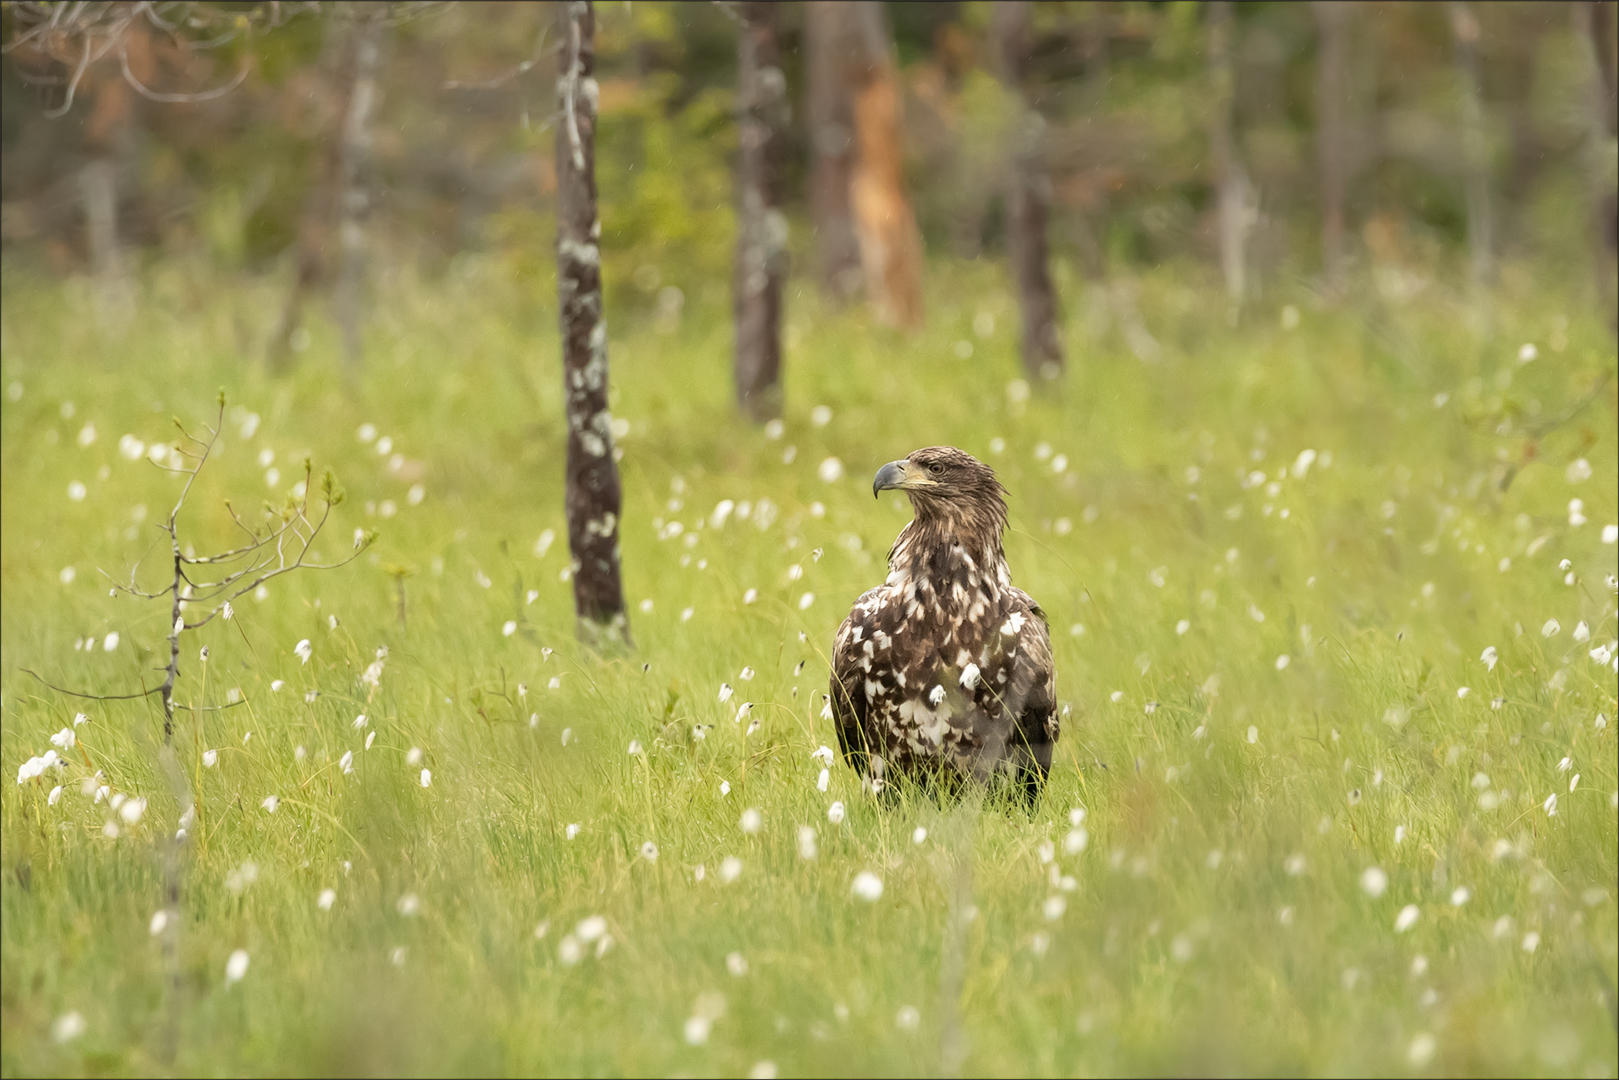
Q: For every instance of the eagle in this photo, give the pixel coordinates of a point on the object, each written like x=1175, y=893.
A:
x=944, y=672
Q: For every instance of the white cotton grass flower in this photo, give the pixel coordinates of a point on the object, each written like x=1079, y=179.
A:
x=271, y=803
x=834, y=813
x=508, y=628
x=1551, y=629
x=725, y=788
x=326, y=899
x=730, y=869
x=159, y=922
x=346, y=762
x=303, y=650
x=236, y=967
x=1077, y=840
x=751, y=596
x=807, y=848
x=752, y=821
x=649, y=851
x=1054, y=907
x=736, y=964
x=634, y=747
x=1550, y=805
x=806, y=601
x=64, y=739
x=426, y=778
x=908, y=1018
x=210, y=758
x=414, y=757
x=1374, y=881
x=1294, y=865
x=1489, y=656
x=1422, y=1050
x=830, y=471
x=1582, y=631
x=132, y=810
x=867, y=886
x=371, y=737
x=69, y=1026
x=110, y=642
x=1610, y=534
x=572, y=830
x=55, y=796
x=1407, y=918
x=823, y=781
x=1282, y=661
x=1463, y=691
x=919, y=835
x=360, y=721
x=409, y=905
x=1460, y=895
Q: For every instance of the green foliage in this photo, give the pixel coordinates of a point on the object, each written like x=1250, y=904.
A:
x=1217, y=918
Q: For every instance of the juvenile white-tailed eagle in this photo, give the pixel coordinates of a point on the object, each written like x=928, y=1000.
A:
x=944, y=671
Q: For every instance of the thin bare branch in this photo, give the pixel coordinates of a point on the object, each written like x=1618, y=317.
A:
x=176, y=99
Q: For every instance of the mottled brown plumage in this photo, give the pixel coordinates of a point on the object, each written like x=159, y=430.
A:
x=945, y=669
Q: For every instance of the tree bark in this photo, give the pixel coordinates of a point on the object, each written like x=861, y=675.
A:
x=593, y=497
x=1594, y=23
x=828, y=36
x=1028, y=202
x=885, y=225
x=354, y=206
x=761, y=250
x=1235, y=192
x=312, y=246
x=1332, y=81
x=1475, y=154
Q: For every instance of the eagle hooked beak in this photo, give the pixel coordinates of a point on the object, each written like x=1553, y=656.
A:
x=895, y=475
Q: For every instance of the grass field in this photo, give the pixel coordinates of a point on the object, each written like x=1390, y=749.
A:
x=1297, y=822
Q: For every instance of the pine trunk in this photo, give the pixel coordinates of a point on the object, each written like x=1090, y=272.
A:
x=354, y=207
x=1332, y=80
x=1028, y=203
x=885, y=225
x=1475, y=155
x=1235, y=193
x=761, y=250
x=593, y=498
x=828, y=33
x=312, y=247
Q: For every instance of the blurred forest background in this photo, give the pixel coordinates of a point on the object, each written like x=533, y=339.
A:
x=1378, y=148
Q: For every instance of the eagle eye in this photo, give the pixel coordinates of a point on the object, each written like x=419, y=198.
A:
x=935, y=468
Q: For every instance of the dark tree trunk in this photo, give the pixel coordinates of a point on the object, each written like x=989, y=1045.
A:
x=1028, y=203
x=1480, y=225
x=1594, y=22
x=593, y=497
x=1332, y=82
x=828, y=36
x=354, y=207
x=1235, y=193
x=761, y=249
x=312, y=248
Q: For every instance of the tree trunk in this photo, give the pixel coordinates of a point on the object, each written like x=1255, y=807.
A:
x=1235, y=193
x=593, y=498
x=354, y=206
x=885, y=225
x=1594, y=23
x=1028, y=202
x=1475, y=154
x=1332, y=81
x=828, y=34
x=761, y=249
x=312, y=247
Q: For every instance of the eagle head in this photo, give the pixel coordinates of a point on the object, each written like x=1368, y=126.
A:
x=946, y=485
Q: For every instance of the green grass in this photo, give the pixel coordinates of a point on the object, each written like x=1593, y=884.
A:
x=1207, y=774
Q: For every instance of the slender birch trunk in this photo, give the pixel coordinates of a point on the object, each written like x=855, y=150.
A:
x=1475, y=154
x=1332, y=81
x=1028, y=202
x=1235, y=193
x=761, y=250
x=354, y=207
x=593, y=497
x=828, y=36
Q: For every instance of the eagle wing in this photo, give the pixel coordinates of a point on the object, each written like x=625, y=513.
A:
x=850, y=704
